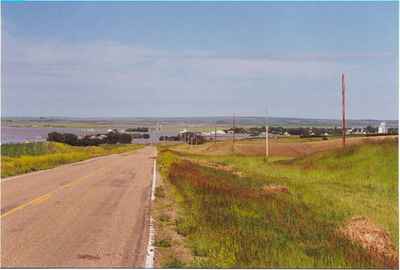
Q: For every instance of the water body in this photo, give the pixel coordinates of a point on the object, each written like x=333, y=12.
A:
x=31, y=134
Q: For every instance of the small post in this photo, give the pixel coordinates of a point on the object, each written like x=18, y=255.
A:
x=343, y=112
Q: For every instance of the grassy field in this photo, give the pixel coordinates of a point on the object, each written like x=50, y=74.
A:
x=229, y=220
x=282, y=146
x=27, y=157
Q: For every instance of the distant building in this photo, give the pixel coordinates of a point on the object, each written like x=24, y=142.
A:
x=358, y=131
x=212, y=133
x=382, y=129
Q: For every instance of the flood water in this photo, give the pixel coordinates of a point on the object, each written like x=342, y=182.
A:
x=31, y=134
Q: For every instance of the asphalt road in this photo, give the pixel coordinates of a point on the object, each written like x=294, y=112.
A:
x=92, y=213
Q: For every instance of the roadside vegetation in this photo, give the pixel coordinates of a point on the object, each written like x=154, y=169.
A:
x=27, y=157
x=243, y=211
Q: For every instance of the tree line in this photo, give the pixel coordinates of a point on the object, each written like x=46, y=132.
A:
x=112, y=137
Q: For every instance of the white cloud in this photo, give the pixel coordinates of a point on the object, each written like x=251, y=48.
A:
x=130, y=78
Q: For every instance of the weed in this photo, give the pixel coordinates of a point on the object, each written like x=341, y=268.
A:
x=185, y=225
x=160, y=193
x=173, y=263
x=164, y=218
x=163, y=243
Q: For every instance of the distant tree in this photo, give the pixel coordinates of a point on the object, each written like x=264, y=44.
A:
x=138, y=129
x=370, y=129
x=55, y=137
x=124, y=138
x=112, y=137
x=393, y=130
x=70, y=139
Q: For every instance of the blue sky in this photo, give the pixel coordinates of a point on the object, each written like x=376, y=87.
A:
x=199, y=59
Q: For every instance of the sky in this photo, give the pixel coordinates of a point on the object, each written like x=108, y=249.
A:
x=166, y=59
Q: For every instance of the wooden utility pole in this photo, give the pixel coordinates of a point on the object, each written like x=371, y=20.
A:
x=186, y=133
x=233, y=133
x=266, y=136
x=215, y=132
x=343, y=112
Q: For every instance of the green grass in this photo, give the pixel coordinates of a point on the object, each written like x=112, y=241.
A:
x=23, y=158
x=31, y=149
x=173, y=263
x=229, y=222
x=164, y=243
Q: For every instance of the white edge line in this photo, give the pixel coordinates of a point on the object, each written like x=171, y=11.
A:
x=150, y=245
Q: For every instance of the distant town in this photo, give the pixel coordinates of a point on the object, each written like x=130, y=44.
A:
x=114, y=136
x=92, y=131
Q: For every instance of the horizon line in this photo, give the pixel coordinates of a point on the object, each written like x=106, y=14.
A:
x=187, y=117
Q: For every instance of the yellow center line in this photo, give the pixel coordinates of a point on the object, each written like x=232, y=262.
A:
x=43, y=198
x=37, y=200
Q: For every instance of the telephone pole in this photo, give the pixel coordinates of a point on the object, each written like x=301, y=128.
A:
x=215, y=132
x=343, y=112
x=233, y=133
x=266, y=136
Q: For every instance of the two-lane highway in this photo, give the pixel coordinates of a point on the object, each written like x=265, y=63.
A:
x=87, y=214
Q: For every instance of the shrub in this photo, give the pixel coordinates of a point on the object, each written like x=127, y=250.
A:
x=55, y=137
x=70, y=139
x=112, y=138
x=125, y=138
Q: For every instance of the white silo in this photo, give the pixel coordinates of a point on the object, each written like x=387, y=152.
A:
x=382, y=129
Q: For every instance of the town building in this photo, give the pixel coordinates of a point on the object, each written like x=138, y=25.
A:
x=382, y=129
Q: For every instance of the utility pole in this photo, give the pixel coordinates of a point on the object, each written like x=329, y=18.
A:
x=215, y=132
x=186, y=133
x=233, y=133
x=266, y=136
x=343, y=112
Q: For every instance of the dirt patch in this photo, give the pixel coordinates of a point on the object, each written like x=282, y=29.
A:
x=214, y=165
x=275, y=189
x=372, y=238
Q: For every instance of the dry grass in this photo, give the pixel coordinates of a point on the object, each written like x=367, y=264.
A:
x=294, y=147
x=372, y=238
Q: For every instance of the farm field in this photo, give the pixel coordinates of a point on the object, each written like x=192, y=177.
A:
x=283, y=146
x=306, y=208
x=27, y=157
